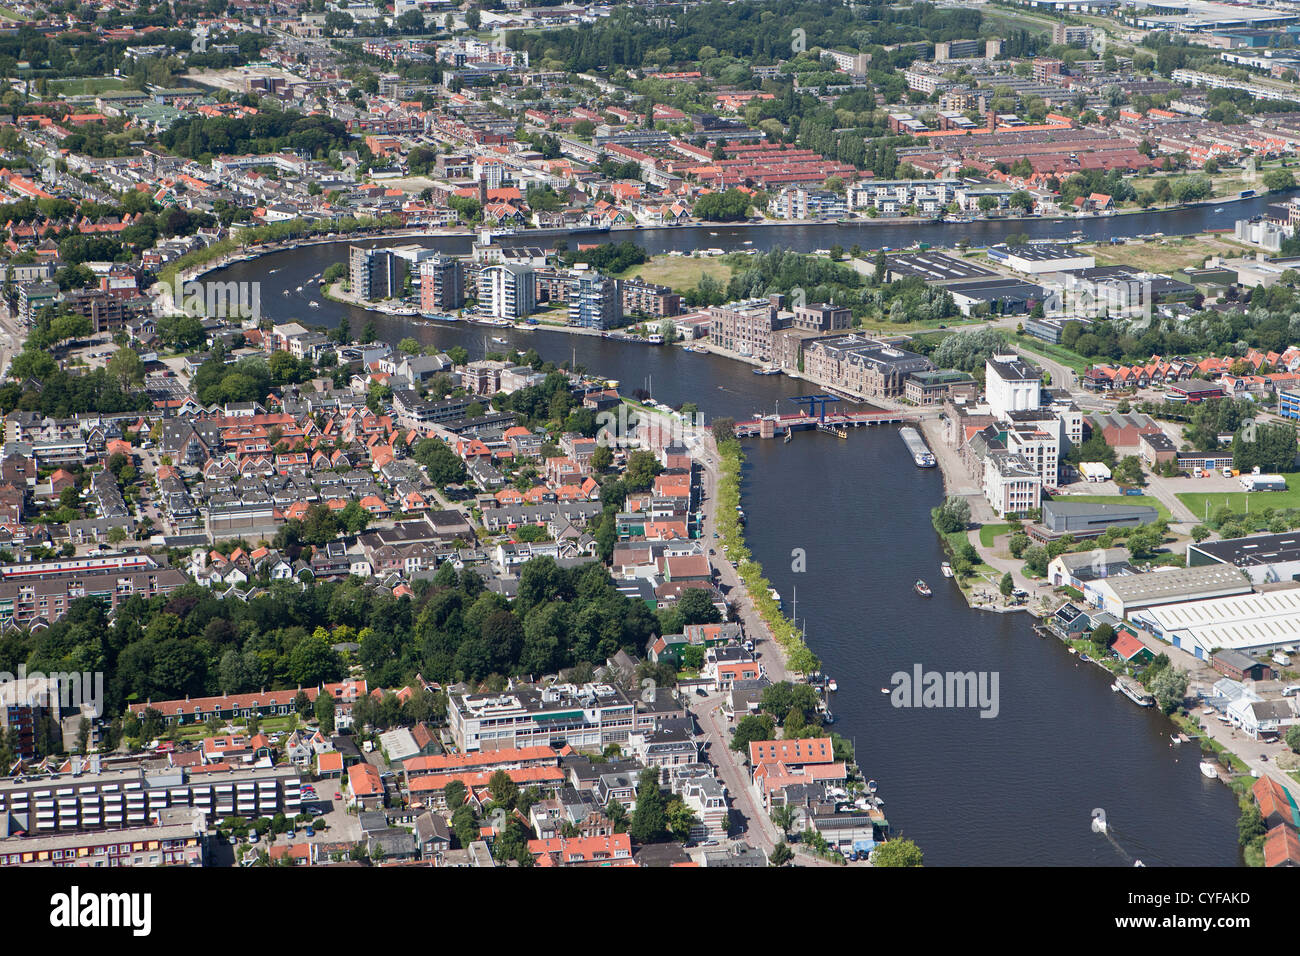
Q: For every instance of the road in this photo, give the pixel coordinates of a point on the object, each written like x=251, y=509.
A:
x=12, y=337
x=746, y=814
x=766, y=650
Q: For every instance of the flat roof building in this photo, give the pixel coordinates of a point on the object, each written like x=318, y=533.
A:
x=1090, y=518
x=1249, y=622
x=1127, y=593
x=1264, y=558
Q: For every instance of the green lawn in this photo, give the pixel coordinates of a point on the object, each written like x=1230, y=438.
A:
x=87, y=85
x=990, y=531
x=1119, y=500
x=1238, y=500
x=1036, y=346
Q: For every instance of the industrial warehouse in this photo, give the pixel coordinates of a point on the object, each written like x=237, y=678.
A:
x=1247, y=622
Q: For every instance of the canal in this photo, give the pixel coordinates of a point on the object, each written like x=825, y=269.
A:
x=1015, y=789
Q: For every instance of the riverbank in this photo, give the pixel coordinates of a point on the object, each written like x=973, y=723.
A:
x=784, y=635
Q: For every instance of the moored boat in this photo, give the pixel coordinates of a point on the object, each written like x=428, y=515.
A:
x=1209, y=770
x=946, y=569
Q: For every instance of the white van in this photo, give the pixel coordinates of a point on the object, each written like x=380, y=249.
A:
x=1282, y=660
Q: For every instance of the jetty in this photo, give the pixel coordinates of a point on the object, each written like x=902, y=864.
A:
x=770, y=426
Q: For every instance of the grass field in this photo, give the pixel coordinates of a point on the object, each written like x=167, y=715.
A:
x=1237, y=500
x=990, y=531
x=86, y=85
x=1057, y=353
x=1119, y=500
x=680, y=272
x=1168, y=255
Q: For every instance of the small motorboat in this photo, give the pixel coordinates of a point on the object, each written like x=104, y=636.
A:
x=946, y=569
x=499, y=340
x=885, y=690
x=832, y=686
x=1218, y=209
x=1209, y=770
x=314, y=305
x=299, y=288
x=922, y=589
x=1084, y=657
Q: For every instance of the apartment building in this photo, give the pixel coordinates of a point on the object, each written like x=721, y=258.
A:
x=48, y=596
x=746, y=327
x=176, y=837
x=376, y=273
x=591, y=715
x=594, y=301
x=893, y=196
x=646, y=298
x=506, y=291
x=93, y=799
x=442, y=284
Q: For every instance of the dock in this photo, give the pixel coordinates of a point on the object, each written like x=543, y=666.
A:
x=771, y=426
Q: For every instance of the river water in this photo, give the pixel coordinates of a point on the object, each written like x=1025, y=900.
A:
x=1015, y=789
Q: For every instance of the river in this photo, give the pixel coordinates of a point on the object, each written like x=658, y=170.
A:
x=1012, y=790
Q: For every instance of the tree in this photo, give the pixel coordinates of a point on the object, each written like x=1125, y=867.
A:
x=454, y=794
x=617, y=814
x=783, y=816
x=1293, y=738
x=443, y=466
x=650, y=818
x=1006, y=585
x=1250, y=825
x=953, y=515
x=1036, y=561
x=750, y=728
x=696, y=607
x=642, y=466
x=503, y=789
x=781, y=854
x=897, y=852
x=681, y=818
x=1278, y=180
x=464, y=823
x=324, y=710
x=1169, y=687
x=126, y=369
x=1017, y=544
x=1103, y=634
x=1200, y=533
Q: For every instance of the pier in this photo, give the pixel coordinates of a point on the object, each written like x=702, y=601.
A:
x=770, y=426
